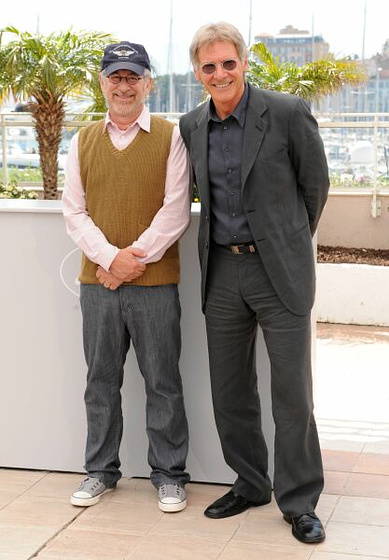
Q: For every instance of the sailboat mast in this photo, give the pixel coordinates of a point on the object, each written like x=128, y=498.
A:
x=170, y=62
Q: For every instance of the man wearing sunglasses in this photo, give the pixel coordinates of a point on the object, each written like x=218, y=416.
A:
x=261, y=171
x=126, y=202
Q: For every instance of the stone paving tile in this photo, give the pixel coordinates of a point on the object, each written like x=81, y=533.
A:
x=56, y=485
x=320, y=555
x=269, y=532
x=87, y=545
x=341, y=461
x=192, y=523
x=249, y=551
x=119, y=518
x=166, y=548
x=350, y=538
x=335, y=482
x=373, y=463
x=367, y=485
x=22, y=540
x=365, y=511
x=18, y=481
x=38, y=511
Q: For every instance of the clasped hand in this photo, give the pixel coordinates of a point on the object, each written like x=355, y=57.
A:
x=124, y=268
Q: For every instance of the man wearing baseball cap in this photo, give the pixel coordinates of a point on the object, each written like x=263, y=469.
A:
x=126, y=203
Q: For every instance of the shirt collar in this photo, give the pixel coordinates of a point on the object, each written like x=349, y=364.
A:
x=239, y=113
x=143, y=121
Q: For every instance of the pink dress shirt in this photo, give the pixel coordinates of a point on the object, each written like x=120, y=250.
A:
x=168, y=224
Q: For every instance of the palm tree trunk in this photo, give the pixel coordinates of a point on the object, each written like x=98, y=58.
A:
x=49, y=115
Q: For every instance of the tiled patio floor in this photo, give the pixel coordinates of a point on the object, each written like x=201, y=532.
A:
x=352, y=408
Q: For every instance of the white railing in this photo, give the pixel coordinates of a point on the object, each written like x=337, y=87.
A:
x=376, y=162
x=340, y=131
x=20, y=120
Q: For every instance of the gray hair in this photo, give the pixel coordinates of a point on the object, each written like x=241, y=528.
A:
x=213, y=32
x=147, y=73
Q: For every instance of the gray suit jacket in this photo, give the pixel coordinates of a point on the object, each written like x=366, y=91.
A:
x=284, y=188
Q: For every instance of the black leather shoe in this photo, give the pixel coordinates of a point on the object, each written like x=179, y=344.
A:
x=307, y=527
x=231, y=504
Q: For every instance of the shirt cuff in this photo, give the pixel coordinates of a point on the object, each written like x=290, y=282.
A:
x=107, y=255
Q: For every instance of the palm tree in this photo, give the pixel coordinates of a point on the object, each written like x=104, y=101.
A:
x=43, y=70
x=311, y=81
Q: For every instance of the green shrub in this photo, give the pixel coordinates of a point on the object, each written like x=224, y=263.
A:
x=28, y=174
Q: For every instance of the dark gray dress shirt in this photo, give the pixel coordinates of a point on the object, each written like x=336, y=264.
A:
x=225, y=141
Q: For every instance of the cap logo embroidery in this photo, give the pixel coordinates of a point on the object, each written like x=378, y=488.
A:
x=123, y=51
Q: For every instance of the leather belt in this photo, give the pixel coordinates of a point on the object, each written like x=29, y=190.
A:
x=243, y=248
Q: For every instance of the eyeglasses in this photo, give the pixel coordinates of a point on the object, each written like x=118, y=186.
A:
x=130, y=79
x=210, y=67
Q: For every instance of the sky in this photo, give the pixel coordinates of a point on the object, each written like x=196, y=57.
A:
x=340, y=22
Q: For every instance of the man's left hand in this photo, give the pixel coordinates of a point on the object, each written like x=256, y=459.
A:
x=126, y=266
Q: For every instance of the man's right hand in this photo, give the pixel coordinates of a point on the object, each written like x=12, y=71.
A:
x=107, y=279
x=126, y=266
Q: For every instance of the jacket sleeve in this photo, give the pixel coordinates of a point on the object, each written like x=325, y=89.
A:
x=185, y=132
x=309, y=160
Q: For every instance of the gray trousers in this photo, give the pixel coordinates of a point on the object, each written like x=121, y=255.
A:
x=150, y=317
x=239, y=297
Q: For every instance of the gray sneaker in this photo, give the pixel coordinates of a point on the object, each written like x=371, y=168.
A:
x=171, y=497
x=89, y=492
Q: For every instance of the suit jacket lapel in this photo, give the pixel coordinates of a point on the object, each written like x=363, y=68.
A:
x=199, y=153
x=254, y=131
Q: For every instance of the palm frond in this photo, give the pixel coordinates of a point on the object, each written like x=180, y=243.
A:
x=311, y=81
x=43, y=70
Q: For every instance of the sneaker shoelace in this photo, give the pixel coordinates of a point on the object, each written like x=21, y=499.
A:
x=176, y=490
x=94, y=486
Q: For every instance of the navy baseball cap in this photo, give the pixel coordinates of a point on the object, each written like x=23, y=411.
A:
x=125, y=56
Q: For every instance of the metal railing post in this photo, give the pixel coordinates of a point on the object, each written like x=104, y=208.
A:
x=375, y=203
x=4, y=146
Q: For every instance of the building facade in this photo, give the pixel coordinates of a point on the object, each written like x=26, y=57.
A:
x=295, y=45
x=301, y=47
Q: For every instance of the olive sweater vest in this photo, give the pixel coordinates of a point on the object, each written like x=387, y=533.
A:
x=124, y=189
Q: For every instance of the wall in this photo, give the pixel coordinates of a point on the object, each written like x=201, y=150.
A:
x=352, y=294
x=347, y=222
x=42, y=417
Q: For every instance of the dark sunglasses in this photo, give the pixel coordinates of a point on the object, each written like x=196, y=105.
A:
x=210, y=67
